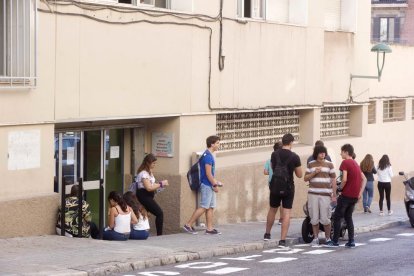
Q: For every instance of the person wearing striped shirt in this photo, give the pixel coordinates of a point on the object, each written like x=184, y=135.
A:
x=322, y=191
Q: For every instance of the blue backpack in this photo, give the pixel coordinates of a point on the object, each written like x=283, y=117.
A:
x=193, y=175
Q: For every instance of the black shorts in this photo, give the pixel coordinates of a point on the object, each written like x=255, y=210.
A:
x=287, y=201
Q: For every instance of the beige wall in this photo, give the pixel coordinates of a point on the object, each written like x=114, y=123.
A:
x=170, y=64
x=92, y=71
x=36, y=181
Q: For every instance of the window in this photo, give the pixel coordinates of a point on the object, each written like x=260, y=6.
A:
x=341, y=15
x=335, y=121
x=394, y=110
x=17, y=43
x=333, y=15
x=386, y=29
x=251, y=8
x=372, y=112
x=155, y=3
x=412, y=109
x=277, y=10
x=246, y=130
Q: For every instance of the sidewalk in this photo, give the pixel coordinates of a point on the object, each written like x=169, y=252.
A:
x=56, y=255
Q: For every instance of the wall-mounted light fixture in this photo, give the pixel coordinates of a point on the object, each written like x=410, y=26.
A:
x=379, y=48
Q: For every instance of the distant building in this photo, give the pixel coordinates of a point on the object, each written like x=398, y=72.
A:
x=392, y=21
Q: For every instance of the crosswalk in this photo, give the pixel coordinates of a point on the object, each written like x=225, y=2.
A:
x=226, y=265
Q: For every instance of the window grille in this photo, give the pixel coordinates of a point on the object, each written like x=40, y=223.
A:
x=18, y=43
x=246, y=130
x=372, y=108
x=394, y=110
x=335, y=121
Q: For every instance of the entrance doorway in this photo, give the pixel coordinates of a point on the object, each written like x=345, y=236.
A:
x=95, y=157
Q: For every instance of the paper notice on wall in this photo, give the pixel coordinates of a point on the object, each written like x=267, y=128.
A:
x=114, y=152
x=24, y=150
x=70, y=155
x=162, y=144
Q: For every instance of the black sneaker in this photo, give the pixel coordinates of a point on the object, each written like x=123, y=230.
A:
x=189, y=229
x=331, y=243
x=266, y=237
x=350, y=244
x=282, y=244
x=213, y=232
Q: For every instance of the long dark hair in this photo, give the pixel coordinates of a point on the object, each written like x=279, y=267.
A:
x=132, y=202
x=367, y=164
x=384, y=162
x=146, y=163
x=115, y=196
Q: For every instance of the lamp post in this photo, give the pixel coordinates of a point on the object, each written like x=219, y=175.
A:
x=379, y=48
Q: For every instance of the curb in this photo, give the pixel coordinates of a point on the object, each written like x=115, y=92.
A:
x=184, y=256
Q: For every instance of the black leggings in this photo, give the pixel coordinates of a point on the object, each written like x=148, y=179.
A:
x=147, y=200
x=384, y=186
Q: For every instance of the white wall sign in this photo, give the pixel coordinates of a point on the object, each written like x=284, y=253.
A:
x=162, y=144
x=70, y=155
x=114, y=152
x=24, y=150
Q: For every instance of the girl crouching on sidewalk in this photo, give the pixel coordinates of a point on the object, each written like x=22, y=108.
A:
x=120, y=218
x=139, y=231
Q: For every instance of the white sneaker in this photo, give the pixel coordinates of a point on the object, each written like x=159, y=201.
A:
x=315, y=242
x=381, y=213
x=390, y=212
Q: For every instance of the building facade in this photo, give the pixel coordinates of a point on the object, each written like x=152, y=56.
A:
x=393, y=21
x=87, y=88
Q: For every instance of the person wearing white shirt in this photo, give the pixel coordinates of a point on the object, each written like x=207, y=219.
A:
x=140, y=230
x=385, y=174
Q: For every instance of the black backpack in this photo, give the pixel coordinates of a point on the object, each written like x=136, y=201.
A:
x=193, y=175
x=281, y=183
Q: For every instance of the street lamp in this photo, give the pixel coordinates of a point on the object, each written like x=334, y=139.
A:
x=379, y=48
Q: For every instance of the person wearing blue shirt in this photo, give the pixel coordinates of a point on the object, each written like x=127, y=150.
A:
x=208, y=188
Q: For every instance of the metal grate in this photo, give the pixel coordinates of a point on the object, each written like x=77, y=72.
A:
x=335, y=121
x=394, y=110
x=18, y=43
x=372, y=108
x=246, y=130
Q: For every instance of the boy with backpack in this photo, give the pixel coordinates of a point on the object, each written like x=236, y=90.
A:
x=208, y=188
x=282, y=189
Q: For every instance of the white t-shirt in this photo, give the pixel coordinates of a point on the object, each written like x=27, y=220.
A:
x=385, y=175
x=143, y=224
x=144, y=175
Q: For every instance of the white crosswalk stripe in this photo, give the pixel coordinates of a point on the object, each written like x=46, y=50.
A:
x=380, y=239
x=226, y=270
x=244, y=258
x=405, y=234
x=303, y=245
x=278, y=260
x=284, y=251
x=318, y=251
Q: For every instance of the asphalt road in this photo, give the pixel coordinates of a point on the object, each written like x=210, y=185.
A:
x=385, y=252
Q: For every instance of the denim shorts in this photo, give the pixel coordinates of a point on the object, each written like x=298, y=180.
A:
x=207, y=197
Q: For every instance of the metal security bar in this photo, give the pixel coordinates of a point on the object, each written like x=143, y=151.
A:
x=246, y=130
x=334, y=121
x=394, y=110
x=18, y=40
x=372, y=109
